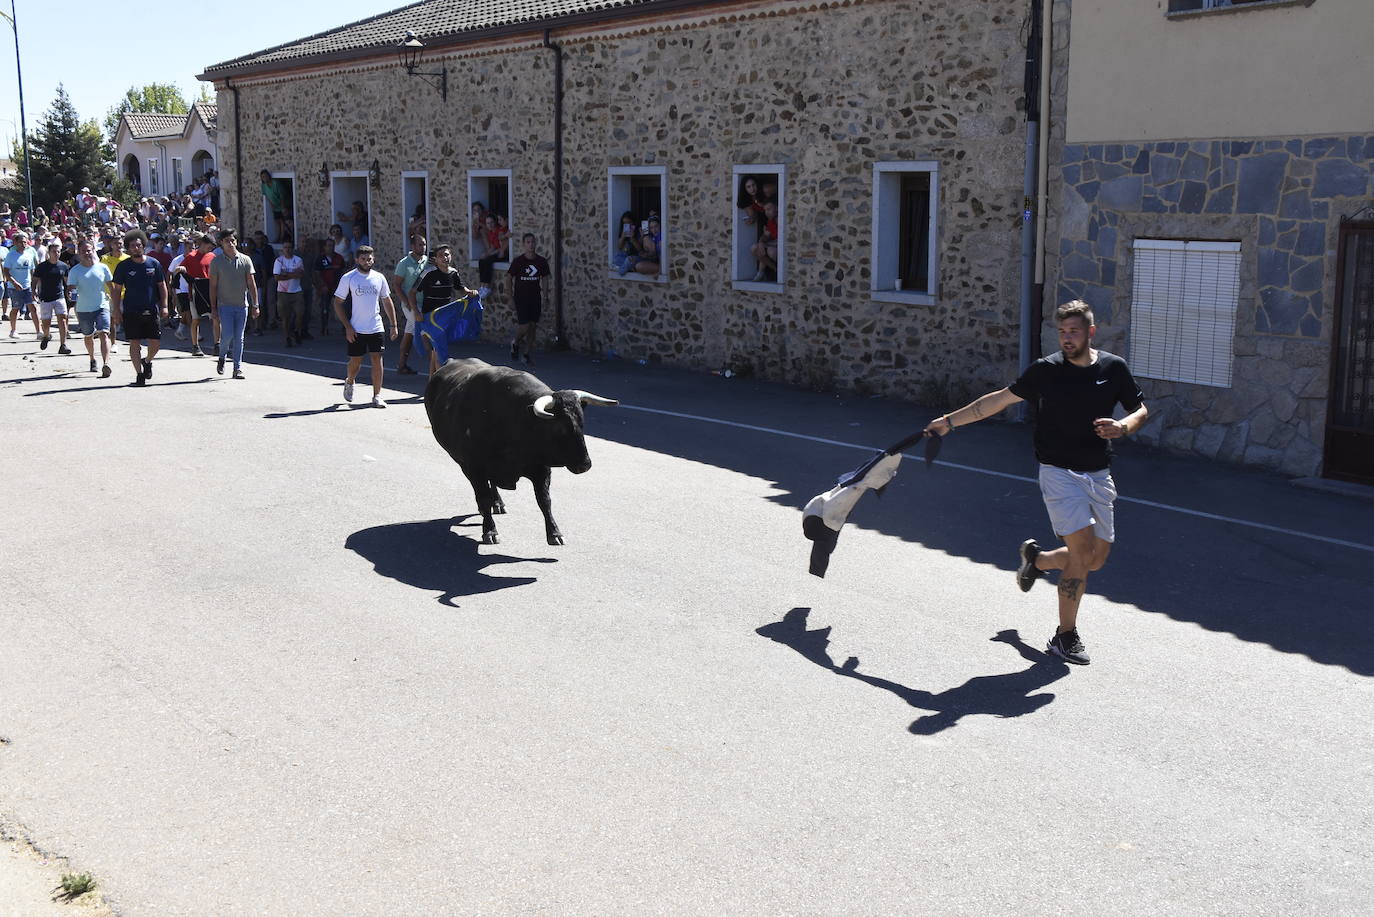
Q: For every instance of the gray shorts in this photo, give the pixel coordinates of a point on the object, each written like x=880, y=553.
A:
x=1078, y=499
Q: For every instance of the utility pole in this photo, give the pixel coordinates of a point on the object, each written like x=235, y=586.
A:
x=23, y=124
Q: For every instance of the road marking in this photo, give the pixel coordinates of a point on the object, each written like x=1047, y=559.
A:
x=1183, y=510
x=1014, y=477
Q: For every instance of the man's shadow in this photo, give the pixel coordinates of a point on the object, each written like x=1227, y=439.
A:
x=1012, y=694
x=433, y=557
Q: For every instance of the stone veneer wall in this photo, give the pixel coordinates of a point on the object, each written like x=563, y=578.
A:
x=1282, y=199
x=826, y=89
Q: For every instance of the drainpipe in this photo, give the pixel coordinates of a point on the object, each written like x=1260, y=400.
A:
x=1042, y=217
x=1028, y=222
x=560, y=338
x=238, y=156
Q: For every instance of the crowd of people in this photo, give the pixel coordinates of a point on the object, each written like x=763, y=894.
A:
x=211, y=286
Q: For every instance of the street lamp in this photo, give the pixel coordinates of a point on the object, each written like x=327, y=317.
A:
x=23, y=126
x=410, y=51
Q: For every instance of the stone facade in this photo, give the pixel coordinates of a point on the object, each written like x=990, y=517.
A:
x=1282, y=198
x=826, y=90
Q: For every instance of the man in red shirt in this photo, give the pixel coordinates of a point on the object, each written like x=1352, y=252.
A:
x=196, y=267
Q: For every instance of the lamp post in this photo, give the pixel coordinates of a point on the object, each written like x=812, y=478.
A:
x=23, y=125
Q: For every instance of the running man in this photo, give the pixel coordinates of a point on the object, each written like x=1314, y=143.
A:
x=90, y=282
x=52, y=297
x=363, y=326
x=18, y=272
x=234, y=291
x=140, y=304
x=1076, y=391
x=407, y=274
x=526, y=273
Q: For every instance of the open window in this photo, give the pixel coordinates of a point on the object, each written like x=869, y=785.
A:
x=414, y=206
x=906, y=199
x=638, y=208
x=347, y=190
x=152, y=178
x=280, y=230
x=492, y=189
x=758, y=256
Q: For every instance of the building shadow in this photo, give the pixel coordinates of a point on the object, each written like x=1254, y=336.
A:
x=1004, y=696
x=432, y=557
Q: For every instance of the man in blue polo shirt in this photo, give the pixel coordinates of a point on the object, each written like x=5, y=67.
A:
x=18, y=271
x=139, y=294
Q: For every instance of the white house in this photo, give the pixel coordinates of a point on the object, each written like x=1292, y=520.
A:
x=162, y=154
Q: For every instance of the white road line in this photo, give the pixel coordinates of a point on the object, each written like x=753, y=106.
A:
x=1014, y=477
x=970, y=468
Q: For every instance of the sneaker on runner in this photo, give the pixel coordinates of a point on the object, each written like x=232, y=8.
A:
x=377, y=401
x=64, y=349
x=238, y=374
x=105, y=371
x=197, y=352
x=348, y=390
x=1028, y=572
x=93, y=366
x=139, y=381
x=219, y=367
x=1068, y=647
x=147, y=367
x=43, y=344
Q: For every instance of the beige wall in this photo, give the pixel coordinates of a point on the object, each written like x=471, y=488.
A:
x=1134, y=74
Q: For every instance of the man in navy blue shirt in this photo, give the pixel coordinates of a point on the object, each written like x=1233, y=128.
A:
x=1076, y=390
x=140, y=301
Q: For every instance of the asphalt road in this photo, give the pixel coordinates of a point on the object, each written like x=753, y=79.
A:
x=253, y=661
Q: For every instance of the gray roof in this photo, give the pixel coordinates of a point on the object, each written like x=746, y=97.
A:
x=209, y=113
x=437, y=22
x=145, y=124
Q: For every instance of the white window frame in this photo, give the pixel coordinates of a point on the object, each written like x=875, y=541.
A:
x=367, y=202
x=267, y=210
x=1185, y=297
x=406, y=207
x=887, y=221
x=617, y=202
x=178, y=175
x=740, y=256
x=473, y=176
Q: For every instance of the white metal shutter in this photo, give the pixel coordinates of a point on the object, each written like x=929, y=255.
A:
x=1183, y=310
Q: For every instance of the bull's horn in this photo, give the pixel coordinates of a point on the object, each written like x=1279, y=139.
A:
x=588, y=398
x=541, y=406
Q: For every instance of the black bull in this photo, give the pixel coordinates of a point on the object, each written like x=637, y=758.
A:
x=501, y=425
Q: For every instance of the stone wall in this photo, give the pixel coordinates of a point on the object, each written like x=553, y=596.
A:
x=1282, y=199
x=826, y=91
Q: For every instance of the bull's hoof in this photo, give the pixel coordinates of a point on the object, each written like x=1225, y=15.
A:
x=555, y=539
x=498, y=508
x=490, y=538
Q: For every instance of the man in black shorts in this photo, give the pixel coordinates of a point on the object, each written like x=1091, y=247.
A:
x=363, y=322
x=140, y=300
x=526, y=273
x=438, y=286
x=1077, y=391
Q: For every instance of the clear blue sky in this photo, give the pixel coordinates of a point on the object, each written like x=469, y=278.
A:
x=98, y=50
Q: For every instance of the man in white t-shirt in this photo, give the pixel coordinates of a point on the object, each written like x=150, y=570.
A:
x=288, y=268
x=363, y=327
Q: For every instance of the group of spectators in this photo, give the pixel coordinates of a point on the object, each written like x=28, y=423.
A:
x=757, y=202
x=638, y=245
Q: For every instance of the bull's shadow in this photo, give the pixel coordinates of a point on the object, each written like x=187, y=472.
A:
x=1009, y=695
x=431, y=556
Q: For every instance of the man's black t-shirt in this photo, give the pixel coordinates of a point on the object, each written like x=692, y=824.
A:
x=1070, y=398
x=439, y=288
x=51, y=275
x=525, y=274
x=139, y=281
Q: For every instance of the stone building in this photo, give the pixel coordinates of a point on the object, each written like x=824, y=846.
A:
x=893, y=130
x=162, y=153
x=1214, y=167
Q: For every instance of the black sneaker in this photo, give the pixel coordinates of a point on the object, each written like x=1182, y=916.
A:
x=1068, y=647
x=219, y=367
x=64, y=349
x=139, y=382
x=94, y=368
x=43, y=344
x=1028, y=572
x=148, y=369
x=197, y=352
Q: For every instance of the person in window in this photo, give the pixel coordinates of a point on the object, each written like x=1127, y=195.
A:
x=342, y=246
x=765, y=250
x=477, y=231
x=417, y=222
x=627, y=244
x=492, y=252
x=276, y=203
x=650, y=249
x=357, y=217
x=750, y=200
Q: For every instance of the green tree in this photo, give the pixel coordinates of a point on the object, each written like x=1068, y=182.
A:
x=64, y=156
x=154, y=97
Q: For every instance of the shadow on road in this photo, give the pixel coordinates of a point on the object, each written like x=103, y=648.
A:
x=1005, y=696
x=119, y=386
x=431, y=556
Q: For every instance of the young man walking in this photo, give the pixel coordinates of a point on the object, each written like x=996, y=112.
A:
x=18, y=269
x=195, y=267
x=90, y=281
x=439, y=286
x=407, y=274
x=234, y=292
x=288, y=269
x=363, y=323
x=51, y=276
x=140, y=304
x=527, y=272
x=1076, y=391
